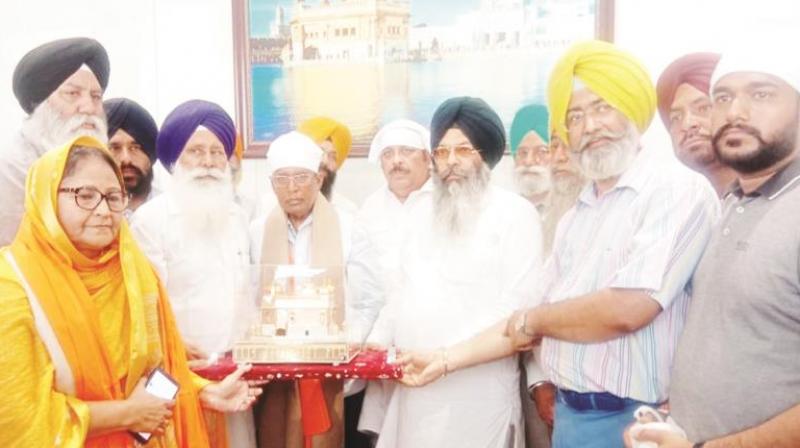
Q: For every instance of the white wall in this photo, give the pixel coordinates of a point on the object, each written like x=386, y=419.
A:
x=164, y=52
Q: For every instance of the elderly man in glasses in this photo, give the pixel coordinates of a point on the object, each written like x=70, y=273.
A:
x=195, y=234
x=304, y=228
x=470, y=259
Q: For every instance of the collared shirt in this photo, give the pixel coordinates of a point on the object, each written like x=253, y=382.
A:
x=207, y=278
x=738, y=362
x=647, y=233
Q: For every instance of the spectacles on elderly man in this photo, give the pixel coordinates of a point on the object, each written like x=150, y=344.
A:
x=300, y=179
x=460, y=151
x=88, y=198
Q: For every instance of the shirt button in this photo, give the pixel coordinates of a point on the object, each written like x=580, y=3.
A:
x=726, y=231
x=740, y=209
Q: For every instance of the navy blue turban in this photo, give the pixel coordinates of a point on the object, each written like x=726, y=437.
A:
x=181, y=123
x=128, y=115
x=477, y=120
x=39, y=73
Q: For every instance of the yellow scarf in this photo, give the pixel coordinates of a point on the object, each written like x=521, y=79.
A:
x=71, y=287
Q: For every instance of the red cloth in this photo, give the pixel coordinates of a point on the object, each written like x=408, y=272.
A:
x=368, y=365
x=313, y=409
x=694, y=69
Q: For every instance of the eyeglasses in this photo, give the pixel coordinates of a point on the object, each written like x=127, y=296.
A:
x=443, y=152
x=88, y=198
x=404, y=152
x=301, y=180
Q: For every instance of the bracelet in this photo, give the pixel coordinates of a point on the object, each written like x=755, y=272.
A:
x=444, y=361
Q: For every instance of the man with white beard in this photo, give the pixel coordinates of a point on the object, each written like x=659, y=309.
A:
x=60, y=86
x=196, y=237
x=469, y=261
x=529, y=146
x=529, y=138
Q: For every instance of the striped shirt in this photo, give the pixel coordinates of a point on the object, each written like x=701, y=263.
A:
x=648, y=233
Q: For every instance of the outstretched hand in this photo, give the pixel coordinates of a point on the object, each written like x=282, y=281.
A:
x=421, y=368
x=232, y=394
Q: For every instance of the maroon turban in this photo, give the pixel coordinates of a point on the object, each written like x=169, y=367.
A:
x=694, y=69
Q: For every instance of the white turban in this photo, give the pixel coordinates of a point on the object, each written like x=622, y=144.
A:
x=293, y=150
x=399, y=133
x=760, y=56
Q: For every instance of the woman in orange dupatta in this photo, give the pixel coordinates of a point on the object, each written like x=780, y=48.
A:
x=84, y=318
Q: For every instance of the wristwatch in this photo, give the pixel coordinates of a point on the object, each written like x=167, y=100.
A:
x=699, y=445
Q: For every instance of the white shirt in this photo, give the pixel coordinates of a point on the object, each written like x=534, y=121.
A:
x=386, y=219
x=648, y=233
x=207, y=281
x=450, y=291
x=15, y=160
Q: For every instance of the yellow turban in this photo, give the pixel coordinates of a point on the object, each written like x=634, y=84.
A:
x=616, y=76
x=323, y=128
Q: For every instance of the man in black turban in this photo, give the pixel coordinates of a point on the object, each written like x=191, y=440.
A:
x=470, y=257
x=60, y=86
x=132, y=134
x=467, y=141
x=477, y=121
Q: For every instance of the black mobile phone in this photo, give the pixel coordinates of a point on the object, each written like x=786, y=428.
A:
x=163, y=386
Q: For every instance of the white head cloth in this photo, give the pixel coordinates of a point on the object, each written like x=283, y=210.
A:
x=760, y=56
x=399, y=133
x=293, y=150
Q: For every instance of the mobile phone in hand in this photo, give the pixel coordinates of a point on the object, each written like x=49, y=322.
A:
x=161, y=385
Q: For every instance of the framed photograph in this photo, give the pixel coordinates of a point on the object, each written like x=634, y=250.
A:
x=367, y=62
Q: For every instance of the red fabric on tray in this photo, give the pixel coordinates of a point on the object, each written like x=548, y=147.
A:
x=368, y=365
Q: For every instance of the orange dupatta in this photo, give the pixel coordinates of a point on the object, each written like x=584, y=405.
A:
x=62, y=278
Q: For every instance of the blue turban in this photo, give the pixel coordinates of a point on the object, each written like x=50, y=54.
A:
x=477, y=120
x=530, y=118
x=181, y=123
x=128, y=115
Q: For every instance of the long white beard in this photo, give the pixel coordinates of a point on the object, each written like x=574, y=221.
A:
x=458, y=204
x=46, y=128
x=532, y=180
x=204, y=202
x=612, y=159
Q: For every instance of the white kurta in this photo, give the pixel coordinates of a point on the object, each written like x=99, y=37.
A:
x=448, y=293
x=15, y=159
x=207, y=284
x=385, y=219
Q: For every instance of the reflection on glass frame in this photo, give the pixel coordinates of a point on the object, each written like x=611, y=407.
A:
x=367, y=62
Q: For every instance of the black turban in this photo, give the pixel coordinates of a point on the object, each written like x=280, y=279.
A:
x=44, y=68
x=132, y=118
x=479, y=122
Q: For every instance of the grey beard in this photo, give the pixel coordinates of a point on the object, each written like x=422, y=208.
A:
x=612, y=159
x=458, y=204
x=46, y=130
